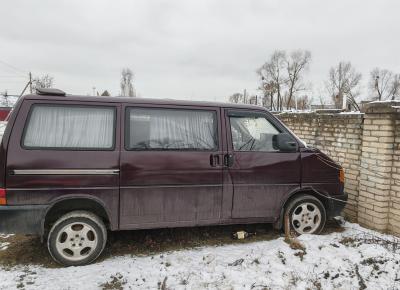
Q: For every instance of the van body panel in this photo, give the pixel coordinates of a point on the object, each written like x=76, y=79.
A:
x=261, y=181
x=320, y=173
x=5, y=140
x=40, y=176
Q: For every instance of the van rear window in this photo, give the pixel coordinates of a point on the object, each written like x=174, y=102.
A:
x=170, y=129
x=70, y=127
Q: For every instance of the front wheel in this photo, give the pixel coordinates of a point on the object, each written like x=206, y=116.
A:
x=307, y=215
x=77, y=238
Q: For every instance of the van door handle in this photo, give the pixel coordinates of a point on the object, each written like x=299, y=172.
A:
x=228, y=160
x=215, y=160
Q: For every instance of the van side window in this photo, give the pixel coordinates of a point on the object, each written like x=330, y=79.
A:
x=170, y=129
x=70, y=127
x=252, y=133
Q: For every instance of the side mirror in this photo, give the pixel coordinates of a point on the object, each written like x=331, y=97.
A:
x=284, y=142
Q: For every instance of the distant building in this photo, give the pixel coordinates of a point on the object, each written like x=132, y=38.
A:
x=4, y=112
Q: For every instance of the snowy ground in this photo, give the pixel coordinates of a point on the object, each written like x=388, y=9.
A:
x=353, y=259
x=2, y=128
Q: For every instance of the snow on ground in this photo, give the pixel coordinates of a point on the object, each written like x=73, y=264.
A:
x=353, y=259
x=2, y=128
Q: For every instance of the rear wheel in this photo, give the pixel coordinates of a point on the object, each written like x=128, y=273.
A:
x=77, y=238
x=307, y=215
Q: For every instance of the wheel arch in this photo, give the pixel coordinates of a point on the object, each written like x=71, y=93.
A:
x=65, y=204
x=322, y=197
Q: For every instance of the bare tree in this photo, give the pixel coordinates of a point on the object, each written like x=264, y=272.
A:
x=343, y=82
x=269, y=90
x=239, y=98
x=380, y=83
x=236, y=98
x=395, y=86
x=282, y=78
x=384, y=84
x=296, y=64
x=272, y=78
x=253, y=100
x=45, y=81
x=127, y=89
x=303, y=102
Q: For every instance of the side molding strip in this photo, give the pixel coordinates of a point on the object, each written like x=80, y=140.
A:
x=65, y=172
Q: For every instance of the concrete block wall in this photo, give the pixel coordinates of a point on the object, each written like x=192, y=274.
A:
x=368, y=147
x=394, y=203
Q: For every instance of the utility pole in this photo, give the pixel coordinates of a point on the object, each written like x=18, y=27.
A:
x=30, y=82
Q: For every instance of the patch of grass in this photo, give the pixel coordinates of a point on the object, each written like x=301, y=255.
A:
x=281, y=256
x=117, y=282
x=296, y=245
x=361, y=282
x=256, y=261
x=155, y=241
x=163, y=285
x=348, y=242
x=23, y=250
x=332, y=227
x=373, y=261
x=27, y=278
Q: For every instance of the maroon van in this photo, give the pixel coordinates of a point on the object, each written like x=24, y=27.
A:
x=74, y=167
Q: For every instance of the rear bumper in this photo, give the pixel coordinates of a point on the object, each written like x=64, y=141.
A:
x=26, y=219
x=337, y=204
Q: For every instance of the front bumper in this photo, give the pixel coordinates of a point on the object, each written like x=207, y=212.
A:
x=337, y=204
x=26, y=219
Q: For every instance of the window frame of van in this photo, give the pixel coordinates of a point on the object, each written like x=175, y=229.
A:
x=28, y=118
x=254, y=113
x=127, y=128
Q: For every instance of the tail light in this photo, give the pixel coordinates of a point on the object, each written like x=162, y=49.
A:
x=3, y=200
x=341, y=175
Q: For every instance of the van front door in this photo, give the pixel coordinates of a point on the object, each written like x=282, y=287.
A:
x=171, y=166
x=262, y=176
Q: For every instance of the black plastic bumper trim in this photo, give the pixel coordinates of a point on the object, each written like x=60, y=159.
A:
x=25, y=219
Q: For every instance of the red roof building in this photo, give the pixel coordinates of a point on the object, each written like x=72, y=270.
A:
x=4, y=112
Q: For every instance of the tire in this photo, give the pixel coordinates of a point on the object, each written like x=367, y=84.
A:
x=307, y=214
x=77, y=238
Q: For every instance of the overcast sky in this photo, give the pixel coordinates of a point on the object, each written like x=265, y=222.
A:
x=188, y=49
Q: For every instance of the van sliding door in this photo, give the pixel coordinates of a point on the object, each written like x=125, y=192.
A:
x=171, y=166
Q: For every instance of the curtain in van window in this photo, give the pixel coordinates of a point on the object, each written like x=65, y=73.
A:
x=70, y=127
x=166, y=129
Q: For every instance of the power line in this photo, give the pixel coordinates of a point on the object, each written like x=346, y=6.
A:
x=13, y=67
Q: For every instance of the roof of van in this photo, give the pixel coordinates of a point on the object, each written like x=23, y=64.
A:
x=138, y=100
